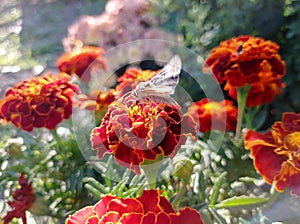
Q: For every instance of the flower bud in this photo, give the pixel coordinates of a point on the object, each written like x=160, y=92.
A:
x=183, y=167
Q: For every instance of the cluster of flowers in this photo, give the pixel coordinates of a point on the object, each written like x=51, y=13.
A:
x=255, y=64
x=138, y=130
x=121, y=22
x=44, y=101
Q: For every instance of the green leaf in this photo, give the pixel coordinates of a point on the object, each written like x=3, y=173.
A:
x=95, y=184
x=201, y=187
x=93, y=190
x=216, y=189
x=119, y=188
x=135, y=180
x=141, y=187
x=242, y=202
x=129, y=192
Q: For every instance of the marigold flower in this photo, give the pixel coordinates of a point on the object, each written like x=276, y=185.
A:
x=43, y=101
x=135, y=130
x=247, y=60
x=84, y=61
x=149, y=208
x=215, y=115
x=23, y=200
x=132, y=77
x=97, y=101
x=276, y=153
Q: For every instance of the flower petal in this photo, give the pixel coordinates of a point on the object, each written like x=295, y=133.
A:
x=187, y=215
x=81, y=216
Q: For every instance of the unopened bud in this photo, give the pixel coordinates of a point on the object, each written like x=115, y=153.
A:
x=183, y=167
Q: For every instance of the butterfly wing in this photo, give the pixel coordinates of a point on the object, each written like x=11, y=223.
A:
x=165, y=82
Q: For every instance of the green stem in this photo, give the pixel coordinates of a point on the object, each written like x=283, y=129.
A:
x=56, y=138
x=180, y=194
x=241, y=99
x=151, y=169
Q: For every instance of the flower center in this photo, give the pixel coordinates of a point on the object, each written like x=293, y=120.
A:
x=292, y=141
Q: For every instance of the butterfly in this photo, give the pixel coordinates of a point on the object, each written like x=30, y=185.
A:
x=164, y=83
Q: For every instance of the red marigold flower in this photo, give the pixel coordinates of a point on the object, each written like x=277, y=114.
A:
x=84, y=61
x=23, y=200
x=247, y=60
x=149, y=208
x=43, y=101
x=214, y=115
x=135, y=130
x=276, y=153
x=132, y=77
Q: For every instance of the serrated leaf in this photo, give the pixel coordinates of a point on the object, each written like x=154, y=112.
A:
x=242, y=202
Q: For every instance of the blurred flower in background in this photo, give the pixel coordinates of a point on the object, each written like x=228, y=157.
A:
x=135, y=130
x=97, y=101
x=276, y=153
x=43, y=101
x=82, y=62
x=23, y=199
x=150, y=207
x=247, y=60
x=121, y=22
x=213, y=115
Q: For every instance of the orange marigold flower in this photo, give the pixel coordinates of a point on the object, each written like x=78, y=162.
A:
x=43, y=101
x=23, y=200
x=132, y=77
x=276, y=153
x=97, y=101
x=135, y=130
x=247, y=60
x=149, y=208
x=214, y=115
x=82, y=62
